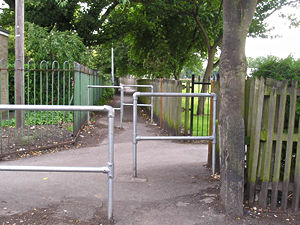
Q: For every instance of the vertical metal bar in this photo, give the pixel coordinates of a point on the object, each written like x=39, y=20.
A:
x=192, y=105
x=134, y=135
x=214, y=134
x=122, y=106
x=152, y=105
x=111, y=164
x=198, y=115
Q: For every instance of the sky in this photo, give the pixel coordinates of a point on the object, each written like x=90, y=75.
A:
x=287, y=44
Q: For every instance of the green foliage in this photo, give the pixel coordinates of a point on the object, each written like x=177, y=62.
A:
x=41, y=118
x=42, y=44
x=276, y=68
x=108, y=94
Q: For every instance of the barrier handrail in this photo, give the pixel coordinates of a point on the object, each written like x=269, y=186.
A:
x=137, y=138
x=107, y=86
x=145, y=86
x=109, y=169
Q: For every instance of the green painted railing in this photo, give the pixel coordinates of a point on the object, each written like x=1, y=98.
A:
x=45, y=83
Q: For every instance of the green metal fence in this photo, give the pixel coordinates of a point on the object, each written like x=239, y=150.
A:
x=46, y=83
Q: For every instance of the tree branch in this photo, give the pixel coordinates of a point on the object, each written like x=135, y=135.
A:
x=202, y=29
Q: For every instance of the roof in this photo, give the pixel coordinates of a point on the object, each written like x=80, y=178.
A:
x=4, y=32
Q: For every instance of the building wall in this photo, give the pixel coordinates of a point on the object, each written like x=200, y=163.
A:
x=3, y=64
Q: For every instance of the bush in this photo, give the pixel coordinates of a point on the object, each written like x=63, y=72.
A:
x=276, y=68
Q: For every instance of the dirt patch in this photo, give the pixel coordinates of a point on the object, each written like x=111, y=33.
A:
x=24, y=145
x=49, y=215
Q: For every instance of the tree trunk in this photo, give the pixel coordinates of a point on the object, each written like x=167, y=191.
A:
x=237, y=17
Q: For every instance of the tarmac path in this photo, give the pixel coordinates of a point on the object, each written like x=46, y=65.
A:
x=173, y=186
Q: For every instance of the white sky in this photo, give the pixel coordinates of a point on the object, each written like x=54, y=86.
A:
x=288, y=42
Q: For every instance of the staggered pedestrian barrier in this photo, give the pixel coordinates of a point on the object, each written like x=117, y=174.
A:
x=107, y=86
x=147, y=105
x=108, y=169
x=137, y=138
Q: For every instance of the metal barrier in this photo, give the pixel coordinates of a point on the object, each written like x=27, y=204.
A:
x=105, y=86
x=109, y=169
x=137, y=138
x=145, y=86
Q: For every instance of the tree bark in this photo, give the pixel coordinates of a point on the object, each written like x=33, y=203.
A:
x=237, y=17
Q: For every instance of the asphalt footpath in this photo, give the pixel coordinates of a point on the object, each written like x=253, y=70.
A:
x=173, y=184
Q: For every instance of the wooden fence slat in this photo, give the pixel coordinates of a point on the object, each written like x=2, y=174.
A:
x=255, y=139
x=251, y=123
x=250, y=104
x=278, y=151
x=289, y=148
x=267, y=154
x=296, y=198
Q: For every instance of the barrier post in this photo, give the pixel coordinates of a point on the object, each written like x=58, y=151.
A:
x=134, y=136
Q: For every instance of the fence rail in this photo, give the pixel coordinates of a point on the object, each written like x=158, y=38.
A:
x=273, y=153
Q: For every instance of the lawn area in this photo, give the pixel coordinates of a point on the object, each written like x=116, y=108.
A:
x=200, y=122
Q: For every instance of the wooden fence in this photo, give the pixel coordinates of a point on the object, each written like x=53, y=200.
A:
x=273, y=153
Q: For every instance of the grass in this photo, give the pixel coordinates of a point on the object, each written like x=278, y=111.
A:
x=41, y=118
x=200, y=122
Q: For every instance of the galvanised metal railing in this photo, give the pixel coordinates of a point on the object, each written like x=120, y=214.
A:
x=141, y=86
x=109, y=169
x=45, y=83
x=107, y=86
x=137, y=138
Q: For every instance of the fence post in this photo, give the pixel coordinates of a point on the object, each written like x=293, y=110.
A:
x=187, y=107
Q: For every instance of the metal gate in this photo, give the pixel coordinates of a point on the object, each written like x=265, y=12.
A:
x=109, y=169
x=200, y=111
x=137, y=138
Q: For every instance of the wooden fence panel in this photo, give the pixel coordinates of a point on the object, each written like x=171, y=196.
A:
x=278, y=151
x=289, y=149
x=273, y=157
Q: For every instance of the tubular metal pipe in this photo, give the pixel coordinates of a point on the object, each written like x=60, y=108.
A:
x=106, y=108
x=214, y=142
x=137, y=85
x=170, y=94
x=134, y=136
x=55, y=169
x=149, y=138
x=111, y=166
x=152, y=105
x=122, y=106
x=103, y=86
